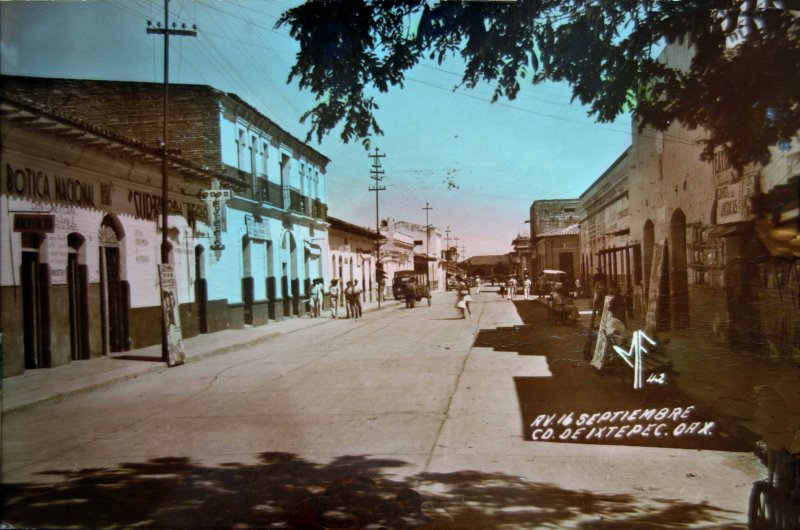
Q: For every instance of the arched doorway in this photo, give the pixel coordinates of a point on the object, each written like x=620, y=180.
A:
x=113, y=291
x=201, y=289
x=77, y=287
x=35, y=303
x=678, y=274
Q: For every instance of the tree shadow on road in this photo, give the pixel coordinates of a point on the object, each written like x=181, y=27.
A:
x=287, y=491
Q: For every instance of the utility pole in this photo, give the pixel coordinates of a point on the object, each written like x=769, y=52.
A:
x=427, y=209
x=376, y=174
x=447, y=259
x=166, y=31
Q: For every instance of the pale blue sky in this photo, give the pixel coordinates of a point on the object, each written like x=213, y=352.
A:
x=501, y=156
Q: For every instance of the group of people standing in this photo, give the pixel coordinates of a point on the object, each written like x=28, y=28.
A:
x=352, y=298
x=509, y=288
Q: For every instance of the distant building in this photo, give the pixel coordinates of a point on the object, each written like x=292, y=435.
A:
x=427, y=251
x=553, y=243
x=352, y=255
x=491, y=266
x=397, y=250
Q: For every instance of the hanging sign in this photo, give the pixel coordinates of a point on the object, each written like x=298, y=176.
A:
x=171, y=314
x=216, y=200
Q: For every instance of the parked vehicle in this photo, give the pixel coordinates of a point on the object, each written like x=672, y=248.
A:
x=416, y=282
x=550, y=280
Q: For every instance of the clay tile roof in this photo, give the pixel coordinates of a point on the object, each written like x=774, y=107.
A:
x=571, y=230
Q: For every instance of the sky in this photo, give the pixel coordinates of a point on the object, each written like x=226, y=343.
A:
x=478, y=164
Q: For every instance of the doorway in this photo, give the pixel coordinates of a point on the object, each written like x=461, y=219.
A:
x=35, y=308
x=200, y=289
x=678, y=273
x=77, y=287
x=113, y=299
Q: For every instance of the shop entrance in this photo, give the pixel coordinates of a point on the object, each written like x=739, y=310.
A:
x=113, y=307
x=34, y=305
x=77, y=285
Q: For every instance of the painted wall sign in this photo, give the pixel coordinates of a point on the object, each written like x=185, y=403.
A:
x=147, y=206
x=171, y=315
x=34, y=222
x=37, y=185
x=734, y=201
x=256, y=229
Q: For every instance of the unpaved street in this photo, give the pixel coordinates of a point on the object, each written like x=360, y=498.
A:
x=406, y=417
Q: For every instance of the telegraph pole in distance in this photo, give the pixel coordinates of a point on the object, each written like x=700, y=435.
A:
x=427, y=209
x=376, y=174
x=447, y=259
x=166, y=31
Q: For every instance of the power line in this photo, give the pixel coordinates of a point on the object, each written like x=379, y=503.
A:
x=674, y=139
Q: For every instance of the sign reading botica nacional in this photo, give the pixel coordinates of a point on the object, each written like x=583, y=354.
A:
x=36, y=185
x=40, y=186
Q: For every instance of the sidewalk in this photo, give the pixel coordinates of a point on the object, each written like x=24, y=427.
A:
x=38, y=386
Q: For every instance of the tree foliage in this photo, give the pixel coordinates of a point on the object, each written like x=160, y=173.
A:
x=741, y=86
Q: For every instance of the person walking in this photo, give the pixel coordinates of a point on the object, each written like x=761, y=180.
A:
x=478, y=285
x=526, y=287
x=463, y=299
x=357, y=298
x=334, y=294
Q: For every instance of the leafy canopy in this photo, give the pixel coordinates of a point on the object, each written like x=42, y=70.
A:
x=742, y=86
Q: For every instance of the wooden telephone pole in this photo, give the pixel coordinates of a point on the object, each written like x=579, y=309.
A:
x=165, y=246
x=376, y=174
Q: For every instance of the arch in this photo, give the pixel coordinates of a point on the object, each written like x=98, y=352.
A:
x=113, y=288
x=678, y=273
x=77, y=291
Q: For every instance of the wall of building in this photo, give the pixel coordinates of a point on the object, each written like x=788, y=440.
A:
x=84, y=189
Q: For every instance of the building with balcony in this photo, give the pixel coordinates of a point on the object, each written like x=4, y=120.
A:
x=82, y=162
